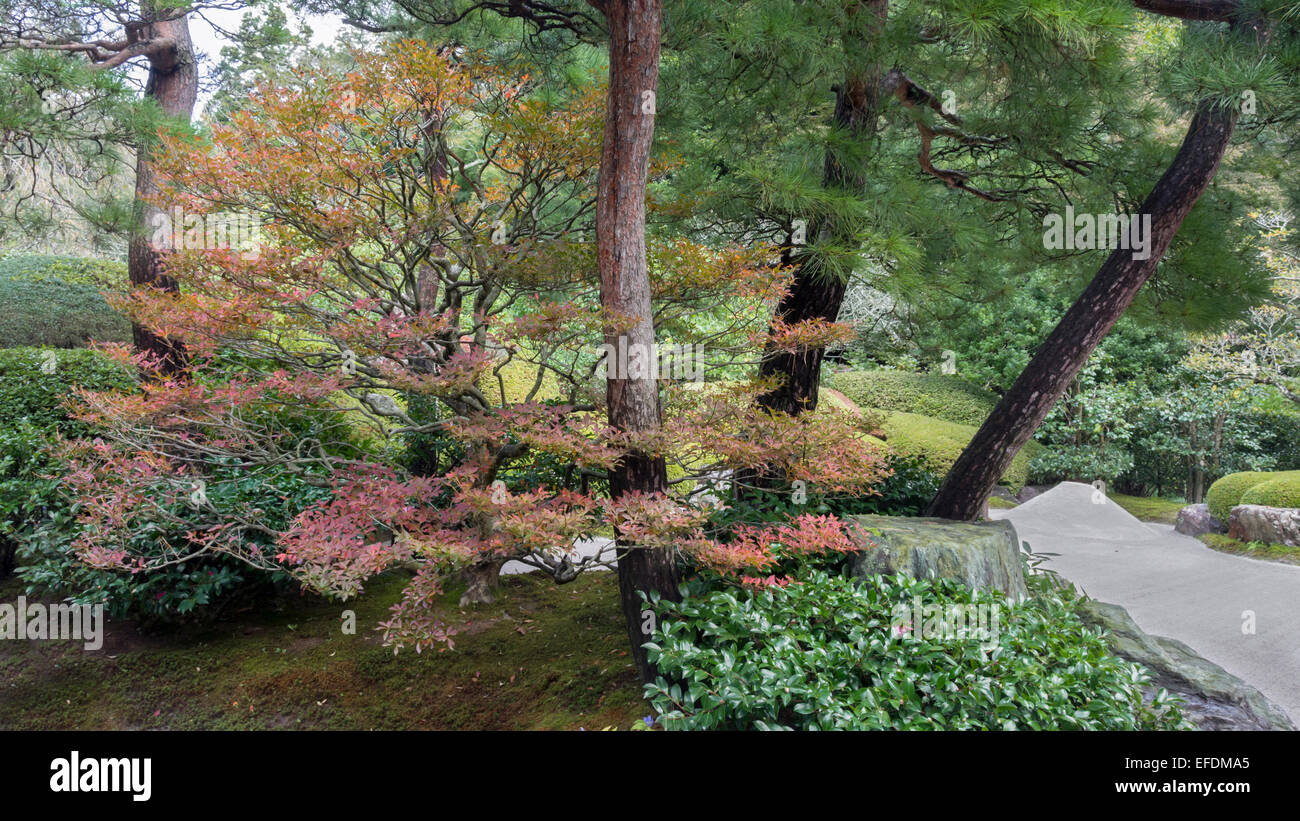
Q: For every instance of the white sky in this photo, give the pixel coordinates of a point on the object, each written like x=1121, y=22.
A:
x=208, y=42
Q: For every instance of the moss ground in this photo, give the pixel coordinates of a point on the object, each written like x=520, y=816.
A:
x=1150, y=508
x=1255, y=550
x=542, y=657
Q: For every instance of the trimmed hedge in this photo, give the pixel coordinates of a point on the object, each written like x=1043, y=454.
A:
x=948, y=398
x=56, y=301
x=1229, y=491
x=1283, y=491
x=938, y=443
x=27, y=391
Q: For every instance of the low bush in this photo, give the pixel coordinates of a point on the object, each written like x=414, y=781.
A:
x=196, y=588
x=1227, y=493
x=823, y=653
x=35, y=383
x=949, y=398
x=58, y=301
x=937, y=444
x=1283, y=491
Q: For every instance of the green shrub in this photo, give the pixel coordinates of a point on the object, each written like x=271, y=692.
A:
x=938, y=443
x=1227, y=493
x=949, y=398
x=197, y=588
x=28, y=391
x=822, y=654
x=33, y=410
x=57, y=301
x=1283, y=491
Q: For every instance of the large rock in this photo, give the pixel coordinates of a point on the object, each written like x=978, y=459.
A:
x=1272, y=525
x=1195, y=520
x=980, y=555
x=1214, y=699
x=1030, y=491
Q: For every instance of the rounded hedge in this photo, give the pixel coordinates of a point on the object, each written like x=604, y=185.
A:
x=57, y=301
x=1227, y=493
x=937, y=443
x=35, y=383
x=1283, y=491
x=948, y=398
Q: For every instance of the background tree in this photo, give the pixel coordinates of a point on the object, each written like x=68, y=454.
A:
x=1242, y=40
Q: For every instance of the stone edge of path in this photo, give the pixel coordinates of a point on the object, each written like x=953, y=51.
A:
x=1214, y=698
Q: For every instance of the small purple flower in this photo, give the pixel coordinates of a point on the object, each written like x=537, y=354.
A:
x=649, y=721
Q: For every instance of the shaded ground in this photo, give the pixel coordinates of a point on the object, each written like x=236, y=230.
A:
x=1237, y=612
x=542, y=657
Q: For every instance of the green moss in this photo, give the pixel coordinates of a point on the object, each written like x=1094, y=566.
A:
x=1227, y=493
x=1255, y=550
x=1284, y=491
x=948, y=398
x=1149, y=508
x=542, y=657
x=998, y=501
x=938, y=443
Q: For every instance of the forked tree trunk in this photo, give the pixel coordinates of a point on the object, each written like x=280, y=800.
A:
x=972, y=478
x=816, y=294
x=634, y=31
x=173, y=83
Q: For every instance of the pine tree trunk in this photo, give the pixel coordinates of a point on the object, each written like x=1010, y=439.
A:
x=634, y=29
x=1086, y=323
x=173, y=83
x=814, y=293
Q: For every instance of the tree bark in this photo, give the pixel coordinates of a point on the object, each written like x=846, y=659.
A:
x=173, y=83
x=1086, y=323
x=633, y=399
x=816, y=294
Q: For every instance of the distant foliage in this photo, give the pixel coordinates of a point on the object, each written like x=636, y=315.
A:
x=57, y=301
x=949, y=398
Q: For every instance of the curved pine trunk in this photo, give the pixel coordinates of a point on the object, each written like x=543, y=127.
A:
x=968, y=484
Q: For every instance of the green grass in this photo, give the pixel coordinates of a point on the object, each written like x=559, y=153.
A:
x=1150, y=508
x=1256, y=550
x=542, y=657
x=998, y=501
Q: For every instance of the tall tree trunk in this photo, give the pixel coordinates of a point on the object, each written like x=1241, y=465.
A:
x=173, y=83
x=1023, y=408
x=634, y=33
x=817, y=294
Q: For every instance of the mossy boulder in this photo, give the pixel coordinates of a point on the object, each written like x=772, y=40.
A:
x=1267, y=525
x=980, y=555
x=1213, y=698
x=1227, y=493
x=949, y=398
